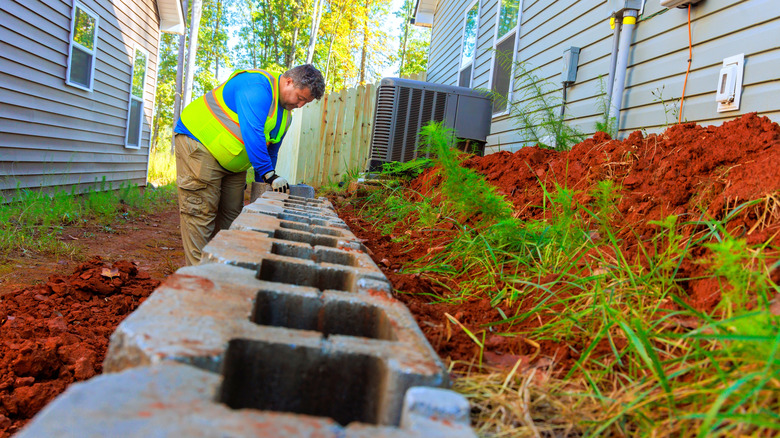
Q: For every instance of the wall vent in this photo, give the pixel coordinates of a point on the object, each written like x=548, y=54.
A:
x=404, y=106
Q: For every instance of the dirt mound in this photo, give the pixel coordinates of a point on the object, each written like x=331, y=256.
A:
x=688, y=170
x=57, y=333
x=696, y=173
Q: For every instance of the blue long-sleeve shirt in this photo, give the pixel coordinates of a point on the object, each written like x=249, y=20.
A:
x=250, y=96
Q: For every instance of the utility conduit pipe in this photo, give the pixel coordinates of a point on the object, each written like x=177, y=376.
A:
x=614, y=24
x=619, y=84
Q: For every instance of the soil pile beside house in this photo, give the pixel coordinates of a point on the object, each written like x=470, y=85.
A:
x=56, y=333
x=702, y=175
x=699, y=174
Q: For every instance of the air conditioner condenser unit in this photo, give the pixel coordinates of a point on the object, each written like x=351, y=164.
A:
x=404, y=106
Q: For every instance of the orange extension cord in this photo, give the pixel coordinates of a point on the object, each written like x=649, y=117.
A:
x=690, y=58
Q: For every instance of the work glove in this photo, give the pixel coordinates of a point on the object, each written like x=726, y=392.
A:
x=278, y=183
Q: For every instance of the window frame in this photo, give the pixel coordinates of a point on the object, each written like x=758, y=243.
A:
x=132, y=97
x=72, y=43
x=497, y=41
x=462, y=67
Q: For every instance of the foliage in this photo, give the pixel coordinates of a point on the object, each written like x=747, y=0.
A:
x=535, y=112
x=607, y=124
x=671, y=107
x=466, y=190
x=33, y=220
x=162, y=167
x=535, y=109
x=642, y=361
x=414, y=42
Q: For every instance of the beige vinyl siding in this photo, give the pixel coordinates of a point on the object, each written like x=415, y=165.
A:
x=657, y=62
x=53, y=134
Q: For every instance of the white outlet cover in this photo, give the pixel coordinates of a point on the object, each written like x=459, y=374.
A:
x=739, y=61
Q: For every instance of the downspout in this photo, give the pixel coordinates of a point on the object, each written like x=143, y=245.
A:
x=621, y=66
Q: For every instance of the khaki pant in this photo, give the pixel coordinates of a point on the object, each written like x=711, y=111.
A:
x=210, y=197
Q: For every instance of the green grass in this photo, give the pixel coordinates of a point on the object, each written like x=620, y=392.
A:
x=162, y=167
x=33, y=221
x=646, y=362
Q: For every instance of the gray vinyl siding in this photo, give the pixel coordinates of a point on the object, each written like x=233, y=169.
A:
x=53, y=134
x=446, y=40
x=657, y=63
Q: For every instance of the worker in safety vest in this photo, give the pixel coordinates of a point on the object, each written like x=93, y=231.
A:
x=239, y=124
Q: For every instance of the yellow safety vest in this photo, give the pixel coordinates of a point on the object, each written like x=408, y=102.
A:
x=216, y=126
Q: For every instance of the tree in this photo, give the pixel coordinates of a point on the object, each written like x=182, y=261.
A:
x=166, y=88
x=414, y=43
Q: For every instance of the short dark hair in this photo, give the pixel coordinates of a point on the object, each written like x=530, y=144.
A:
x=307, y=76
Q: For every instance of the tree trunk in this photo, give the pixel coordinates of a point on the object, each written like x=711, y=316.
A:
x=407, y=13
x=192, y=50
x=315, y=28
x=155, y=134
x=253, y=47
x=332, y=39
x=365, y=45
x=216, y=35
x=179, y=74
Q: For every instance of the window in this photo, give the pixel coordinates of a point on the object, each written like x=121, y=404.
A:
x=504, y=51
x=135, y=110
x=83, y=47
x=469, y=45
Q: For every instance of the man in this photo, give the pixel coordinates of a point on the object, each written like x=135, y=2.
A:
x=239, y=124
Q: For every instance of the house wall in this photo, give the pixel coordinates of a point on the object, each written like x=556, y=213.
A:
x=657, y=63
x=53, y=134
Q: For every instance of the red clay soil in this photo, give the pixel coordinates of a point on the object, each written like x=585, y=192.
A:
x=57, y=333
x=691, y=171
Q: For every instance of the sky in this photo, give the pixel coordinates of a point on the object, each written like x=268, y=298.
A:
x=392, y=26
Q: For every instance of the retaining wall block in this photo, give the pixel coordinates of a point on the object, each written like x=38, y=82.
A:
x=362, y=348
x=175, y=400
x=286, y=319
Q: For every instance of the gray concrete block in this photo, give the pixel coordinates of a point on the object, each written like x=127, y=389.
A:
x=249, y=249
x=223, y=319
x=426, y=408
x=174, y=400
x=302, y=191
x=299, y=232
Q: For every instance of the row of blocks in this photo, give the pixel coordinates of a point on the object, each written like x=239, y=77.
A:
x=286, y=328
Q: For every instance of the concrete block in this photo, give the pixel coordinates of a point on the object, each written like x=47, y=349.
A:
x=174, y=400
x=299, y=232
x=302, y=191
x=249, y=249
x=363, y=345
x=425, y=408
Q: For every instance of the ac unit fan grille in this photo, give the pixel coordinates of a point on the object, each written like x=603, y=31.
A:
x=380, y=141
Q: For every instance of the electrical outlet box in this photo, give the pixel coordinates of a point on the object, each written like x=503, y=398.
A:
x=729, y=88
x=669, y=4
x=616, y=7
x=571, y=57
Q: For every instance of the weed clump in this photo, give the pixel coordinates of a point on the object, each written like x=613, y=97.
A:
x=33, y=220
x=466, y=190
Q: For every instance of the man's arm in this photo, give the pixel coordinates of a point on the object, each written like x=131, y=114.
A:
x=253, y=101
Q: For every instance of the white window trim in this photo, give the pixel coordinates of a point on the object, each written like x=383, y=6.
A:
x=473, y=62
x=496, y=42
x=132, y=97
x=72, y=43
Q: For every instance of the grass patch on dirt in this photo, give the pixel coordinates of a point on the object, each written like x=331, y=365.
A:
x=572, y=315
x=33, y=221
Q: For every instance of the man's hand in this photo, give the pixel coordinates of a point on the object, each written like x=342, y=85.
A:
x=278, y=183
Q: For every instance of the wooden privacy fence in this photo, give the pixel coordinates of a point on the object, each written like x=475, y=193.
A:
x=329, y=137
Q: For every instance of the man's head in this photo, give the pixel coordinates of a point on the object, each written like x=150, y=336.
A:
x=300, y=85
